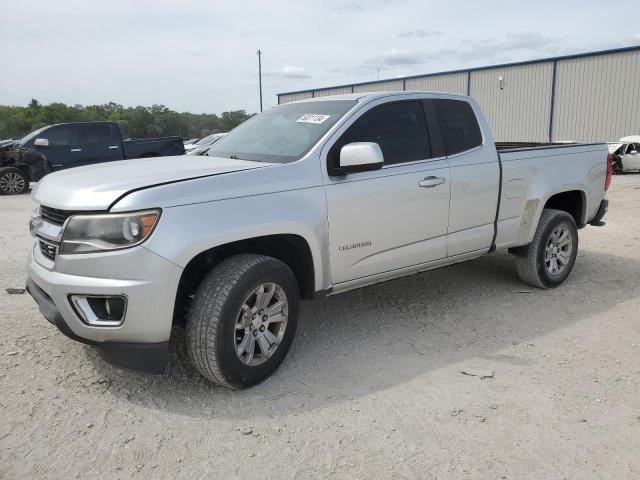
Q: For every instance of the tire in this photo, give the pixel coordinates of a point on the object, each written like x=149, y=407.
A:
x=216, y=322
x=13, y=181
x=534, y=262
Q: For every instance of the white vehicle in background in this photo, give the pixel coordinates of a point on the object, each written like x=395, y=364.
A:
x=204, y=142
x=626, y=154
x=198, y=151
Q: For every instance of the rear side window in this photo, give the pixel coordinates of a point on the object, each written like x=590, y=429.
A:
x=459, y=126
x=399, y=128
x=98, y=134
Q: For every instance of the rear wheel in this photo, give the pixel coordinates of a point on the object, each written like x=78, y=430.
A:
x=243, y=320
x=13, y=181
x=548, y=260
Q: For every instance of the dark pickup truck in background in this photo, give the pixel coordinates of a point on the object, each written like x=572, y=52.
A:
x=67, y=145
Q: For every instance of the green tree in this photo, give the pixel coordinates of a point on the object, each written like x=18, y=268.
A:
x=139, y=122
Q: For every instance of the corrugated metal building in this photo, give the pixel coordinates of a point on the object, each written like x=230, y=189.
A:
x=589, y=97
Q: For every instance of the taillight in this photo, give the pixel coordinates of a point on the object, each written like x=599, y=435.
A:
x=607, y=180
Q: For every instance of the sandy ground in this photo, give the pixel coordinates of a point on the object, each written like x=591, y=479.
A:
x=371, y=389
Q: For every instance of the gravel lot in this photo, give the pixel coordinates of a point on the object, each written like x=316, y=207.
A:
x=372, y=388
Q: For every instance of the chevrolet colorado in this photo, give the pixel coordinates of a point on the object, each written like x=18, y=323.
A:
x=308, y=199
x=67, y=145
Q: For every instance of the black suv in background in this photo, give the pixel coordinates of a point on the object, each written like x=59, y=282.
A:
x=68, y=145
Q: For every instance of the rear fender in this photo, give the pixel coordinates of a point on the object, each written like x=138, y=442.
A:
x=534, y=207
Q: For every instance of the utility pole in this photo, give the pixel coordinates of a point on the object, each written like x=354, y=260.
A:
x=260, y=76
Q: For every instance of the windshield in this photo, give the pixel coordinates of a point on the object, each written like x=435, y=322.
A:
x=283, y=134
x=31, y=136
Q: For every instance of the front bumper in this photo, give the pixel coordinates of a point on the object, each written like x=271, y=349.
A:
x=140, y=343
x=139, y=357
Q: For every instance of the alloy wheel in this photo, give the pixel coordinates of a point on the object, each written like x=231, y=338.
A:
x=12, y=183
x=557, y=253
x=261, y=324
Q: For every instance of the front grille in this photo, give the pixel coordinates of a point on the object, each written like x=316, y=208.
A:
x=49, y=250
x=53, y=215
x=58, y=217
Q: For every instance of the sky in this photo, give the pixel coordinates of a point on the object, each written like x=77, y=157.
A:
x=200, y=56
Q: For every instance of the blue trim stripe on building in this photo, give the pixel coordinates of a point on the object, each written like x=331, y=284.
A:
x=475, y=69
x=553, y=99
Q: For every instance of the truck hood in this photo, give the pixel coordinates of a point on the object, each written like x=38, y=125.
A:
x=97, y=187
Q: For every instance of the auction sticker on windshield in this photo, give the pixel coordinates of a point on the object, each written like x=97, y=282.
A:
x=312, y=118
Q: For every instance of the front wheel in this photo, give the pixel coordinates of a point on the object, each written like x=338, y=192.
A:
x=243, y=320
x=548, y=260
x=13, y=181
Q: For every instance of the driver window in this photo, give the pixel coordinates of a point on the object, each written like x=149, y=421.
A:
x=60, y=136
x=400, y=129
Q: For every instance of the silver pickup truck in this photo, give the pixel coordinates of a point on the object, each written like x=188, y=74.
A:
x=308, y=199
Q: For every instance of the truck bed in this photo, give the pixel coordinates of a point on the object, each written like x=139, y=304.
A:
x=517, y=146
x=153, y=147
x=532, y=172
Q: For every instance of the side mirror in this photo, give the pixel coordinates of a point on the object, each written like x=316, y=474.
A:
x=361, y=157
x=41, y=142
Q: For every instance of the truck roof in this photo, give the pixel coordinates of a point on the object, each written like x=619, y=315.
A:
x=374, y=95
x=81, y=123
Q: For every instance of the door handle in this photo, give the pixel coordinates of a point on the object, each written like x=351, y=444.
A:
x=76, y=149
x=431, y=182
x=113, y=147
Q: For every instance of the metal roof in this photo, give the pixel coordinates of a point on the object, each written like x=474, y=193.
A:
x=374, y=95
x=475, y=69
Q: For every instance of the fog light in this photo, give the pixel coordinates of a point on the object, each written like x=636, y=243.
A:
x=100, y=310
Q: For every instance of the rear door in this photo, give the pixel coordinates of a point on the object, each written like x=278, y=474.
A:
x=394, y=217
x=475, y=177
x=99, y=143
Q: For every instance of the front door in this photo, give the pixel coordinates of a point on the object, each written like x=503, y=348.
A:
x=397, y=216
x=63, y=150
x=631, y=160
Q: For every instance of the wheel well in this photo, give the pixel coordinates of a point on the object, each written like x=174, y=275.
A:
x=22, y=168
x=26, y=172
x=571, y=202
x=292, y=250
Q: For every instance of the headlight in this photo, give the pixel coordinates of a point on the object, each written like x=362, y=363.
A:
x=112, y=231
x=35, y=221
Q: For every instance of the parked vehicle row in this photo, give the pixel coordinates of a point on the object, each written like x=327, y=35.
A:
x=58, y=147
x=203, y=143
x=305, y=200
